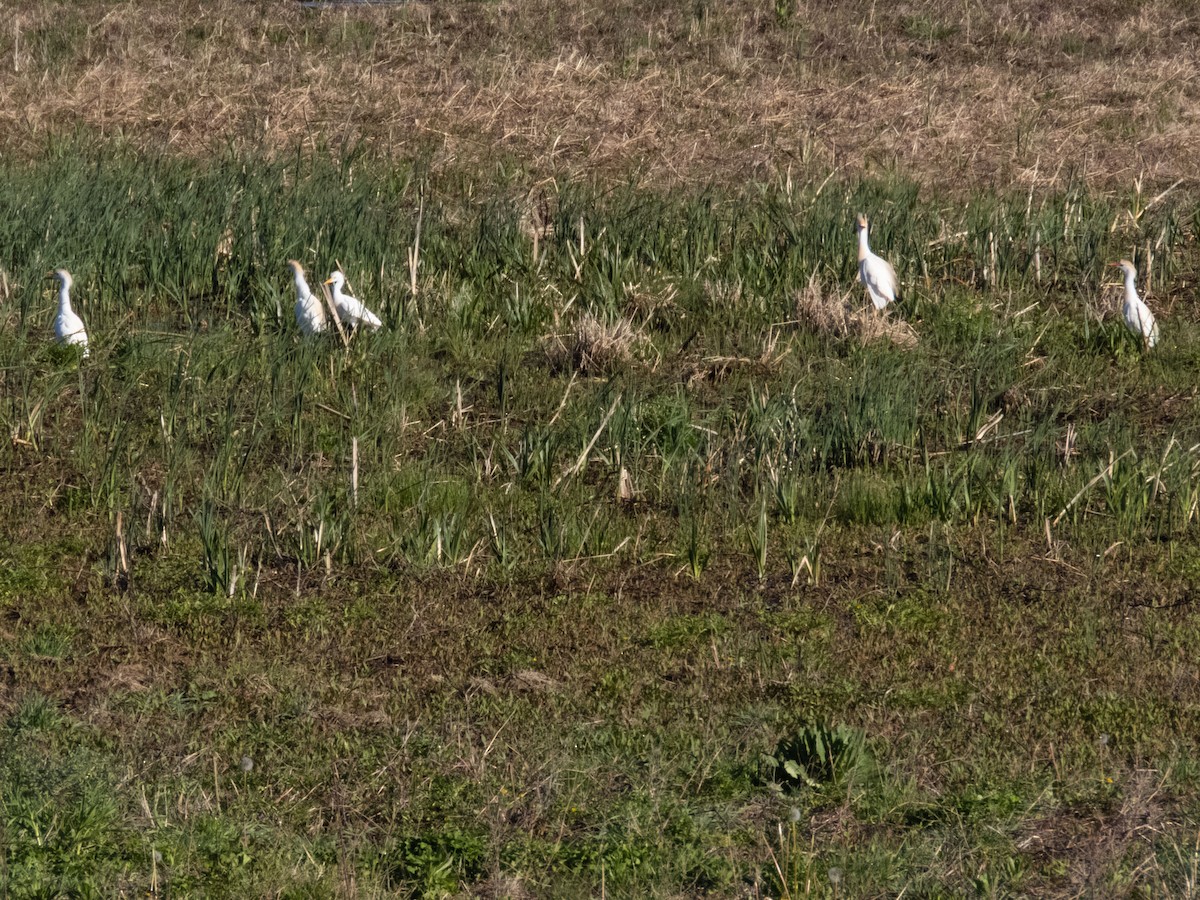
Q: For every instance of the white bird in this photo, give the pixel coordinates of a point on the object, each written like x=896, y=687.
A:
x=1138, y=317
x=68, y=327
x=875, y=272
x=310, y=313
x=350, y=311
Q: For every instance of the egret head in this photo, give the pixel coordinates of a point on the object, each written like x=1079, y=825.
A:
x=860, y=224
x=1125, y=266
x=63, y=276
x=296, y=268
x=337, y=279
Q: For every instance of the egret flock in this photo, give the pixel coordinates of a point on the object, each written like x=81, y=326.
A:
x=879, y=278
x=310, y=314
x=876, y=274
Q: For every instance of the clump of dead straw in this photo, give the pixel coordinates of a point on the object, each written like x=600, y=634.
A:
x=595, y=346
x=834, y=315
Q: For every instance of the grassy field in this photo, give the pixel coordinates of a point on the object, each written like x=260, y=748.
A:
x=632, y=557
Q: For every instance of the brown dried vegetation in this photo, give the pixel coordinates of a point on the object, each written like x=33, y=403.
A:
x=595, y=346
x=834, y=315
x=954, y=93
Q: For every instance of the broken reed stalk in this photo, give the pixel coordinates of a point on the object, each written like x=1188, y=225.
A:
x=414, y=252
x=587, y=451
x=333, y=314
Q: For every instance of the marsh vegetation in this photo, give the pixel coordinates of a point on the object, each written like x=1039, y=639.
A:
x=633, y=554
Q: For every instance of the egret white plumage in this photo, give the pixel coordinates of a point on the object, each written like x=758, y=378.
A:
x=310, y=313
x=68, y=327
x=1138, y=317
x=351, y=311
x=875, y=272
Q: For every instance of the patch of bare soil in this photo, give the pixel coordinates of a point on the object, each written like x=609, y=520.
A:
x=1095, y=844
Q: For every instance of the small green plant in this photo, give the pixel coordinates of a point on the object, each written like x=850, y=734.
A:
x=437, y=863
x=535, y=455
x=757, y=537
x=786, y=491
x=925, y=28
x=501, y=544
x=48, y=640
x=35, y=712
x=820, y=756
x=805, y=561
x=222, y=564
x=695, y=551
x=1000, y=879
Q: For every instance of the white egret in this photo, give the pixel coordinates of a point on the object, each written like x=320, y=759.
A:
x=1138, y=317
x=68, y=327
x=310, y=313
x=875, y=272
x=349, y=310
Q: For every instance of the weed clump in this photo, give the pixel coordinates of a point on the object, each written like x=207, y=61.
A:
x=832, y=315
x=820, y=755
x=596, y=346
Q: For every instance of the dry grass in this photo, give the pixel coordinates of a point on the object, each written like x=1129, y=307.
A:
x=955, y=93
x=596, y=346
x=835, y=315
x=1095, y=844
